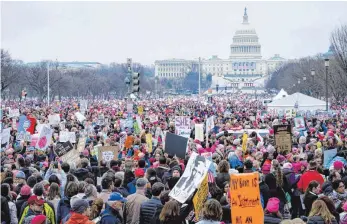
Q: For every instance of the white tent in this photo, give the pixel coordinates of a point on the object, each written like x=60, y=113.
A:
x=280, y=95
x=303, y=102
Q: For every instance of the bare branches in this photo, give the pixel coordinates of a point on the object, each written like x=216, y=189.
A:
x=338, y=41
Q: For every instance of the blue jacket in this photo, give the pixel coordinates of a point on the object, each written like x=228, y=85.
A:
x=109, y=217
x=63, y=208
x=131, y=187
x=235, y=162
x=148, y=210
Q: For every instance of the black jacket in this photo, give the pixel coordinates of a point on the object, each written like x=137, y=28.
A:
x=318, y=220
x=82, y=174
x=327, y=188
x=271, y=219
x=20, y=201
x=308, y=201
x=161, y=170
x=5, y=211
x=221, y=178
x=148, y=210
x=265, y=191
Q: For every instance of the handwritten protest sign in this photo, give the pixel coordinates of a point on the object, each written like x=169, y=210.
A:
x=245, y=199
x=72, y=157
x=199, y=132
x=184, y=132
x=192, y=177
x=45, y=138
x=54, y=119
x=200, y=197
x=13, y=113
x=108, y=153
x=283, y=137
x=182, y=122
x=81, y=144
x=62, y=148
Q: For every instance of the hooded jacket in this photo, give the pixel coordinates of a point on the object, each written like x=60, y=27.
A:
x=318, y=220
x=110, y=216
x=63, y=208
x=77, y=218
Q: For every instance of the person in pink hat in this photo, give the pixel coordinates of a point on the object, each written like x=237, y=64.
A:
x=343, y=215
x=272, y=213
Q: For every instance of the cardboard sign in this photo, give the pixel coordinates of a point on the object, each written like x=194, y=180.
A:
x=184, y=132
x=13, y=113
x=175, y=145
x=72, y=157
x=62, y=148
x=328, y=157
x=45, y=138
x=54, y=119
x=81, y=144
x=192, y=177
x=182, y=122
x=283, y=138
x=200, y=197
x=199, y=132
x=245, y=199
x=108, y=153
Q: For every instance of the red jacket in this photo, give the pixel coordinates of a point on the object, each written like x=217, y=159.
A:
x=77, y=218
x=309, y=176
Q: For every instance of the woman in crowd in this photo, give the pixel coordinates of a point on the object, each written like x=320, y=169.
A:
x=320, y=214
x=311, y=195
x=211, y=212
x=54, y=196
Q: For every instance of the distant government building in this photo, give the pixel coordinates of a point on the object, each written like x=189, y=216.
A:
x=244, y=70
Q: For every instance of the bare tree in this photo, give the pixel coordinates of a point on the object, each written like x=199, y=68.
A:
x=338, y=40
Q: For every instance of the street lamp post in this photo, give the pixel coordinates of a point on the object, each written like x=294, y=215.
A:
x=48, y=83
x=326, y=82
x=199, y=76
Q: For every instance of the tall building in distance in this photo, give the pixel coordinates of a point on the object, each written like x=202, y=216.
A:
x=245, y=70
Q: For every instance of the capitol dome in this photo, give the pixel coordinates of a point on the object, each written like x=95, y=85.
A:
x=245, y=41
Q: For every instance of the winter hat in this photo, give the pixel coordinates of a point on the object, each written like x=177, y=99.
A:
x=344, y=207
x=20, y=175
x=287, y=166
x=35, y=200
x=273, y=205
x=141, y=182
x=25, y=190
x=39, y=219
x=80, y=206
x=139, y=172
x=338, y=165
x=115, y=196
x=281, y=158
x=85, y=152
x=270, y=149
x=304, y=163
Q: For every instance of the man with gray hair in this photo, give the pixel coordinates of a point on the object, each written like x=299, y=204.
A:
x=152, y=206
x=134, y=201
x=80, y=212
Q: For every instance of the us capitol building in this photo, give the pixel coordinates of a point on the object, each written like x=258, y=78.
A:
x=244, y=70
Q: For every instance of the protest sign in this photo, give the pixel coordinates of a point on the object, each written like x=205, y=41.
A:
x=212, y=168
x=283, y=138
x=244, y=142
x=62, y=148
x=5, y=137
x=182, y=122
x=288, y=113
x=175, y=145
x=45, y=138
x=200, y=197
x=13, y=113
x=54, y=119
x=72, y=137
x=153, y=118
x=209, y=124
x=108, y=153
x=81, y=144
x=184, y=132
x=83, y=106
x=192, y=177
x=199, y=132
x=39, y=127
x=299, y=123
x=140, y=110
x=149, y=142
x=34, y=140
x=245, y=199
x=64, y=136
x=328, y=157
x=71, y=157
x=80, y=117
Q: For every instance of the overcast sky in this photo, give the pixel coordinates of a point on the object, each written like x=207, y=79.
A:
x=147, y=31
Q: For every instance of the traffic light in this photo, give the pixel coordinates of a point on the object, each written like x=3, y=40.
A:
x=217, y=86
x=226, y=88
x=136, y=82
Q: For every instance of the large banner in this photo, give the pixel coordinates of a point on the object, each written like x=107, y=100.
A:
x=191, y=179
x=283, y=138
x=245, y=199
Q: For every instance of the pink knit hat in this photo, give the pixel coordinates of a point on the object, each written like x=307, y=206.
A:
x=273, y=205
x=287, y=166
x=338, y=165
x=344, y=207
